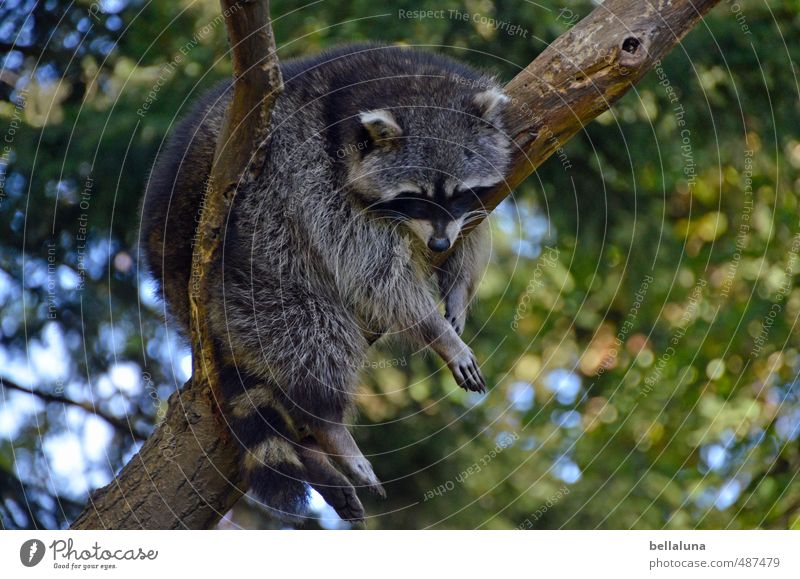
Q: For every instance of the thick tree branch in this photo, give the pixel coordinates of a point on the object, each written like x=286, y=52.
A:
x=575, y=79
x=186, y=474
x=179, y=479
x=588, y=69
x=238, y=159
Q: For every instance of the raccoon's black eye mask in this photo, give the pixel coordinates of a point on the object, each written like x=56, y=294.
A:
x=413, y=205
x=469, y=197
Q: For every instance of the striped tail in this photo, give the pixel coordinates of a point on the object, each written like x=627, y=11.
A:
x=270, y=462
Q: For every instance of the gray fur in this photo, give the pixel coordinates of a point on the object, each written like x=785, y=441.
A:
x=311, y=267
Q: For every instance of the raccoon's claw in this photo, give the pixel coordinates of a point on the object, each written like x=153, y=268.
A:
x=467, y=373
x=372, y=482
x=361, y=473
x=378, y=490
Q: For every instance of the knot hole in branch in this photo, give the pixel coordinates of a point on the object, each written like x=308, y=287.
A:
x=630, y=44
x=633, y=52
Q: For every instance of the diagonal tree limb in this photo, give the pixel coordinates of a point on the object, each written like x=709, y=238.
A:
x=571, y=82
x=582, y=73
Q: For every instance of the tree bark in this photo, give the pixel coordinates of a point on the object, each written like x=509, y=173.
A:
x=186, y=474
x=184, y=477
x=238, y=158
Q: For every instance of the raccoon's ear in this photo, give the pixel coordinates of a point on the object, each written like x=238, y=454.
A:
x=491, y=104
x=381, y=126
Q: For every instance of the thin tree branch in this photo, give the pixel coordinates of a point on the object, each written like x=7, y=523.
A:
x=123, y=426
x=26, y=50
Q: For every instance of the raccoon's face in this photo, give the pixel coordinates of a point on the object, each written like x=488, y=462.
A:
x=431, y=165
x=435, y=217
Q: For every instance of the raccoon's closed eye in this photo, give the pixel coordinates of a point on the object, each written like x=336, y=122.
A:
x=409, y=195
x=480, y=191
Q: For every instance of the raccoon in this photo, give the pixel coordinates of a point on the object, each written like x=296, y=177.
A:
x=377, y=158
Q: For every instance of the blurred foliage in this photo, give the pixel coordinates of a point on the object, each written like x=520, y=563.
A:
x=638, y=321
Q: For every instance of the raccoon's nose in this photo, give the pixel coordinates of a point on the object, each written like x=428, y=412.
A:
x=438, y=244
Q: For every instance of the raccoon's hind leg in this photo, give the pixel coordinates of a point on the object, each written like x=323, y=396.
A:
x=337, y=442
x=275, y=462
x=309, y=351
x=330, y=483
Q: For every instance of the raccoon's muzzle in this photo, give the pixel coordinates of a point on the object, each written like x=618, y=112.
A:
x=438, y=244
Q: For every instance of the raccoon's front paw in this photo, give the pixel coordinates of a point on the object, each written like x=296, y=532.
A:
x=466, y=371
